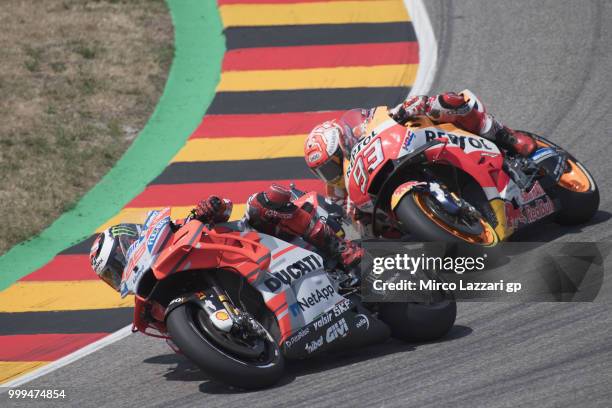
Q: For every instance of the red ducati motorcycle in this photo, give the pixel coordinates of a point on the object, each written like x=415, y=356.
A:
x=238, y=302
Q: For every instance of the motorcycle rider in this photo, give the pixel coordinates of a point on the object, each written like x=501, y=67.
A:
x=271, y=212
x=328, y=143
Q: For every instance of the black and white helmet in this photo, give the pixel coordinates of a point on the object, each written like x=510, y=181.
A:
x=108, y=252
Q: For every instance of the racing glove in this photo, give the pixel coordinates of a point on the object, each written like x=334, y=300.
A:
x=213, y=210
x=412, y=107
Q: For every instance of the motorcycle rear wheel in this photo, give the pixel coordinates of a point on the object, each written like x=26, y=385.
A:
x=223, y=364
x=419, y=322
x=577, y=190
x=430, y=224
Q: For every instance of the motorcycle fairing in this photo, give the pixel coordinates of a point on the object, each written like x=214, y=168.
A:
x=382, y=141
x=475, y=155
x=343, y=326
x=144, y=252
x=296, y=287
x=291, y=279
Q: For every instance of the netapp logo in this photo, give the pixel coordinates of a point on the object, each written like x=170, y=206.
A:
x=311, y=300
x=292, y=272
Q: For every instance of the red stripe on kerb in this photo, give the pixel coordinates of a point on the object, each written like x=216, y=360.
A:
x=64, y=267
x=224, y=2
x=43, y=347
x=173, y=195
x=321, y=56
x=257, y=125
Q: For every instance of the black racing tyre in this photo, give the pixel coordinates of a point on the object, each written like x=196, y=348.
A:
x=577, y=207
x=222, y=364
x=425, y=224
x=577, y=190
x=418, y=322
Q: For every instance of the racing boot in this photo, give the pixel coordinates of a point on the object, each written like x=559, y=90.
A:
x=515, y=141
x=347, y=253
x=350, y=257
x=325, y=239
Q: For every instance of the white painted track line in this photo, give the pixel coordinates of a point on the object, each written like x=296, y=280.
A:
x=80, y=353
x=428, y=47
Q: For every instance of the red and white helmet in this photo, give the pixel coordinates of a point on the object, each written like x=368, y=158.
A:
x=323, y=151
x=354, y=123
x=330, y=141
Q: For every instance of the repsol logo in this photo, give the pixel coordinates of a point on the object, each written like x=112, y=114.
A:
x=458, y=140
x=314, y=298
x=292, y=272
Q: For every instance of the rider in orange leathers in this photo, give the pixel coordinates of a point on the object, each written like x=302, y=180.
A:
x=328, y=143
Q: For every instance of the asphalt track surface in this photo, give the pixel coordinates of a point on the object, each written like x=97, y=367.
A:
x=542, y=66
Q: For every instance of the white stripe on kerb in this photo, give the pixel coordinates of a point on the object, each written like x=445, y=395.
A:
x=428, y=47
x=80, y=353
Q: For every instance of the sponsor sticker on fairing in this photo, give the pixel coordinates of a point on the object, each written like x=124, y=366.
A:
x=528, y=213
x=293, y=272
x=408, y=139
x=336, y=330
x=314, y=345
x=468, y=144
x=156, y=233
x=325, y=319
x=536, y=191
x=313, y=299
x=362, y=320
x=297, y=337
x=342, y=307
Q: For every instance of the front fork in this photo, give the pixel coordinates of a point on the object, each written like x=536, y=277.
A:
x=222, y=312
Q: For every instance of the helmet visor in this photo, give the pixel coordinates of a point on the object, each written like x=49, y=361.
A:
x=331, y=170
x=126, y=235
x=113, y=271
x=354, y=124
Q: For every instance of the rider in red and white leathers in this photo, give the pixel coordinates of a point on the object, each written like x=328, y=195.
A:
x=271, y=212
x=328, y=143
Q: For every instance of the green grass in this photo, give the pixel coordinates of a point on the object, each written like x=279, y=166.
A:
x=77, y=77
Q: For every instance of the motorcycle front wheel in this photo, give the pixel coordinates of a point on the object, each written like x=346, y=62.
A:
x=248, y=364
x=427, y=221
